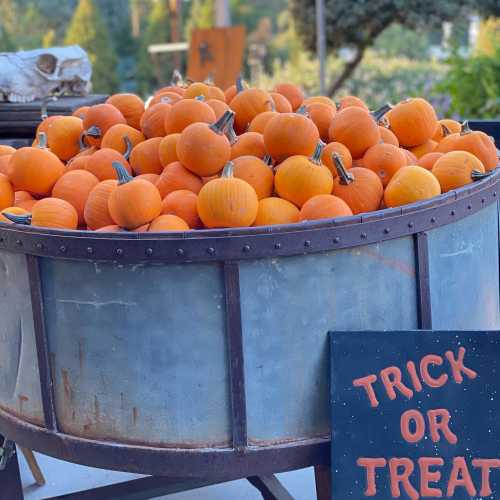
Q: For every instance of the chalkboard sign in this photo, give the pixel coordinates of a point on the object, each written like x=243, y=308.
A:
x=415, y=415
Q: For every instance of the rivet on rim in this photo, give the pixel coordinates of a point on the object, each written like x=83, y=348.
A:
x=363, y=236
x=277, y=246
x=307, y=243
x=90, y=250
x=62, y=249
x=119, y=252
x=246, y=248
x=469, y=207
x=179, y=252
x=336, y=239
x=387, y=230
x=211, y=251
x=19, y=243
x=483, y=200
x=149, y=252
x=433, y=219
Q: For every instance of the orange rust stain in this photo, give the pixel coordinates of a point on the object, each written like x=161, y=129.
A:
x=135, y=414
x=397, y=265
x=22, y=398
x=68, y=390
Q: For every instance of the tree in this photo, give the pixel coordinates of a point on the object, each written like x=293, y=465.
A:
x=358, y=24
x=201, y=15
x=88, y=30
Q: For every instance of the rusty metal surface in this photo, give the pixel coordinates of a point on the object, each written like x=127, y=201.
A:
x=19, y=380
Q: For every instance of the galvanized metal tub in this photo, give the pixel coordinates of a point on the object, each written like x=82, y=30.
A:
x=207, y=354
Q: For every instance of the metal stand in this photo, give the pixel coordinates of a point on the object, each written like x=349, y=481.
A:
x=10, y=479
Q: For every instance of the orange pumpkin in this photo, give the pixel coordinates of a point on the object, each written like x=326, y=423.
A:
x=20, y=196
x=186, y=112
x=350, y=101
x=219, y=107
x=384, y=160
x=293, y=93
x=175, y=177
x=324, y=206
x=411, y=159
x=172, y=88
x=247, y=144
x=6, y=192
x=196, y=89
x=428, y=160
x=63, y=137
x=27, y=204
x=6, y=150
x=257, y=173
x=259, y=123
x=414, y=121
x=281, y=103
x=276, y=210
x=96, y=212
x=409, y=185
x=131, y=107
x=322, y=116
x=427, y=147
x=167, y=97
x=299, y=178
x=387, y=136
x=134, y=202
x=247, y=105
x=112, y=228
x=168, y=223
x=101, y=164
x=456, y=169
x=478, y=143
x=12, y=211
x=183, y=203
x=122, y=138
x=145, y=157
x=359, y=187
x=5, y=165
x=227, y=201
x=35, y=169
x=289, y=134
x=75, y=187
x=232, y=90
x=80, y=112
x=153, y=120
x=153, y=178
x=321, y=99
x=43, y=126
x=98, y=120
x=168, y=149
x=446, y=127
x=339, y=149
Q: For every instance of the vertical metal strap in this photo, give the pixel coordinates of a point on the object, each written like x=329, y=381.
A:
x=42, y=347
x=236, y=359
x=423, y=281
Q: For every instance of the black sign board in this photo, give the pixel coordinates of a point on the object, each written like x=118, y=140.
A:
x=415, y=415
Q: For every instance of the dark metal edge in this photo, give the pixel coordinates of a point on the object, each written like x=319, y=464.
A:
x=423, y=281
x=251, y=243
x=235, y=355
x=167, y=462
x=42, y=346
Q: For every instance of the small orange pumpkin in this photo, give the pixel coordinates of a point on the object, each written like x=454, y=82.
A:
x=122, y=138
x=445, y=128
x=168, y=149
x=98, y=120
x=186, y=112
x=101, y=164
x=219, y=107
x=5, y=165
x=80, y=112
x=324, y=206
x=167, y=97
x=20, y=196
x=350, y=101
x=387, y=136
x=203, y=148
x=134, y=202
x=247, y=144
x=259, y=123
x=299, y=178
x=384, y=160
x=257, y=173
x=183, y=203
x=153, y=120
x=427, y=147
x=319, y=99
x=153, y=178
x=339, y=149
x=411, y=159
x=145, y=157
x=428, y=160
x=75, y=187
x=456, y=169
x=322, y=116
x=131, y=107
x=359, y=187
x=168, y=223
x=96, y=212
x=293, y=93
x=175, y=177
x=281, y=103
x=196, y=89
x=227, y=201
x=247, y=105
x=63, y=137
x=6, y=192
x=276, y=210
x=409, y=185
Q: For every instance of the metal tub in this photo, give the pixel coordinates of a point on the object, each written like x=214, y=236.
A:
x=207, y=354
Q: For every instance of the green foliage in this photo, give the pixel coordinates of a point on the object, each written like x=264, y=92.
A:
x=489, y=36
x=201, y=15
x=88, y=30
x=474, y=85
x=398, y=41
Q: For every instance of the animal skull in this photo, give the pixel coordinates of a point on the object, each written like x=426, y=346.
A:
x=35, y=74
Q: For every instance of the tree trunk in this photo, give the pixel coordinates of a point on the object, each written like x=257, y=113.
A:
x=347, y=72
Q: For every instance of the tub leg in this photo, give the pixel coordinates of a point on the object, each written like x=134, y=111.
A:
x=323, y=478
x=269, y=487
x=10, y=479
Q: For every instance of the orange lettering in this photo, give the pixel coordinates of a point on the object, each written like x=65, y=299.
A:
x=406, y=419
x=371, y=464
x=410, y=366
x=431, y=359
x=391, y=378
x=457, y=366
x=486, y=465
x=439, y=420
x=460, y=476
x=402, y=478
x=427, y=476
x=367, y=384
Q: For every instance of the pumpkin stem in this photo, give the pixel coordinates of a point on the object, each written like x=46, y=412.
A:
x=345, y=177
x=316, y=157
x=121, y=171
x=465, y=128
x=477, y=176
x=45, y=103
x=176, y=78
x=239, y=84
x=379, y=113
x=302, y=111
x=128, y=147
x=94, y=131
x=220, y=125
x=230, y=133
x=81, y=142
x=24, y=219
x=42, y=140
x=200, y=97
x=445, y=130
x=268, y=160
x=228, y=169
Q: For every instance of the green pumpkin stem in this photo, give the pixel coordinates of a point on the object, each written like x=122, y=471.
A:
x=223, y=122
x=381, y=112
x=128, y=147
x=81, y=142
x=228, y=170
x=121, y=171
x=345, y=177
x=200, y=97
x=24, y=219
x=239, y=85
x=445, y=130
x=477, y=176
x=316, y=157
x=94, y=131
x=465, y=128
x=42, y=140
x=230, y=133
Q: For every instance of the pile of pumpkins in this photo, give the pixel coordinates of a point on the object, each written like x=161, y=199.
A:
x=199, y=157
